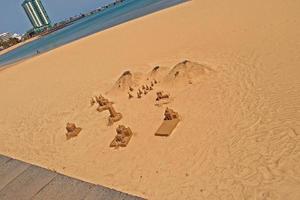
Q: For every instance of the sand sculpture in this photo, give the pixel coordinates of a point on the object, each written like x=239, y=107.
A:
x=92, y=101
x=72, y=130
x=122, y=138
x=161, y=95
x=114, y=116
x=130, y=96
x=170, y=114
x=139, y=95
x=170, y=122
x=103, y=103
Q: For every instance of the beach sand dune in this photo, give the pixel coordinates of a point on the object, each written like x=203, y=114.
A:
x=239, y=131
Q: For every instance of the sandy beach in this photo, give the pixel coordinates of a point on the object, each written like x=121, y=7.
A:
x=238, y=99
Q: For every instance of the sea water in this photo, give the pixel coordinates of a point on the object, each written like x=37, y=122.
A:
x=112, y=16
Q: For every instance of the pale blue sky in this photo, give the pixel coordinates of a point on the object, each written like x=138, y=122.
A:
x=13, y=18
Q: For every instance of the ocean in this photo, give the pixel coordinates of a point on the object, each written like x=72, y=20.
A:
x=120, y=13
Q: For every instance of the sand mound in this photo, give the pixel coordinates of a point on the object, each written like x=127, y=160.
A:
x=187, y=72
x=126, y=81
x=158, y=72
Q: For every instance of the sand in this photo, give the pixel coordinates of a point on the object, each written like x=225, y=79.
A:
x=239, y=134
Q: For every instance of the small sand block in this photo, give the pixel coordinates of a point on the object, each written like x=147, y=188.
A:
x=167, y=127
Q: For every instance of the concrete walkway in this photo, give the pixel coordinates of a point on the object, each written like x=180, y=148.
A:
x=23, y=181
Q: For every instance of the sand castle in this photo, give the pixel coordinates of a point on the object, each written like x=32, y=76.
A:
x=139, y=93
x=122, y=138
x=170, y=122
x=72, y=130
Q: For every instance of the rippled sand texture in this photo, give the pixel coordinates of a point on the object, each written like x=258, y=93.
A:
x=239, y=134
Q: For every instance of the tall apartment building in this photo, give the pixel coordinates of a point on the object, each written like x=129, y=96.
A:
x=36, y=14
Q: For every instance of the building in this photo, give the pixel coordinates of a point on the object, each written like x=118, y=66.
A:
x=36, y=14
x=9, y=39
x=4, y=37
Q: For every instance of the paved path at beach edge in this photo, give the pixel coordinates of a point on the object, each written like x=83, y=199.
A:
x=22, y=181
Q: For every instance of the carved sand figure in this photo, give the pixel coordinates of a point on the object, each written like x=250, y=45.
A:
x=103, y=103
x=155, y=81
x=145, y=92
x=92, y=101
x=161, y=95
x=170, y=114
x=169, y=124
x=147, y=87
x=162, y=98
x=72, y=130
x=139, y=95
x=122, y=138
x=131, y=89
x=130, y=96
x=114, y=116
x=140, y=91
x=143, y=87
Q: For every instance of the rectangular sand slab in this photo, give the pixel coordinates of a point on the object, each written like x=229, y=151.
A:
x=167, y=127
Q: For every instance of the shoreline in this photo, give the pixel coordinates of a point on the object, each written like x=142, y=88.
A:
x=121, y=18
x=18, y=45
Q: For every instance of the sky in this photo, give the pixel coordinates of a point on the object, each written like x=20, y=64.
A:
x=13, y=18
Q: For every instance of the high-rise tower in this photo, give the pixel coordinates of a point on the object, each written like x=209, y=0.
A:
x=36, y=13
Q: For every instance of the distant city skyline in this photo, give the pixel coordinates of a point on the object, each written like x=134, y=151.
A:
x=13, y=18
